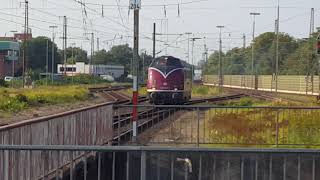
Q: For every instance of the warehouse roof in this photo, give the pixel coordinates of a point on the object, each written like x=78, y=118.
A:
x=9, y=45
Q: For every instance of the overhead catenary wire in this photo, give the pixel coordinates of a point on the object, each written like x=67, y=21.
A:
x=150, y=5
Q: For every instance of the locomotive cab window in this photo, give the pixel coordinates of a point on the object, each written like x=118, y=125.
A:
x=166, y=62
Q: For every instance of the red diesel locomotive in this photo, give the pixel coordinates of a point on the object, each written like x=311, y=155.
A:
x=169, y=81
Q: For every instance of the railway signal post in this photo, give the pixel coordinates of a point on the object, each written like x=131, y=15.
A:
x=135, y=5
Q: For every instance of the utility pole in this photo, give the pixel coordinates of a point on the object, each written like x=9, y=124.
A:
x=65, y=44
x=244, y=41
x=318, y=55
x=47, y=61
x=25, y=43
x=253, y=65
x=135, y=5
x=188, y=33
x=220, y=60
x=277, y=51
x=310, y=71
x=154, y=41
x=311, y=22
x=143, y=68
x=98, y=44
x=52, y=60
x=73, y=59
x=13, y=62
x=167, y=38
x=91, y=71
x=192, y=56
x=205, y=58
x=92, y=53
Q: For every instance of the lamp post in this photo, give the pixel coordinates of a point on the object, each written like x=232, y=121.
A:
x=253, y=65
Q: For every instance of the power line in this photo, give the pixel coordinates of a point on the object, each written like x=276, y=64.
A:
x=152, y=5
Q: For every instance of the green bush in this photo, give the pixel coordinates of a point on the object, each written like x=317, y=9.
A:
x=3, y=83
x=15, y=100
x=242, y=102
x=202, y=90
x=12, y=105
x=79, y=79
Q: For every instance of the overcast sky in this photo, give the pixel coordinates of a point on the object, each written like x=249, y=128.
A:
x=115, y=25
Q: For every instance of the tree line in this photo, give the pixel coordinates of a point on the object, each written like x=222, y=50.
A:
x=296, y=57
x=117, y=55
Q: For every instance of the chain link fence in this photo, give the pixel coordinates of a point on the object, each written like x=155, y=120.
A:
x=215, y=126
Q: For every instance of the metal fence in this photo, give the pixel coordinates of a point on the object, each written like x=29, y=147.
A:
x=212, y=126
x=161, y=163
x=87, y=126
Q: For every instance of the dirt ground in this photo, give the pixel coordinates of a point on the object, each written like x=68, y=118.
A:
x=179, y=129
x=46, y=110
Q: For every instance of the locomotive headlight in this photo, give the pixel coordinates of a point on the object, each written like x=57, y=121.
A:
x=154, y=83
x=176, y=89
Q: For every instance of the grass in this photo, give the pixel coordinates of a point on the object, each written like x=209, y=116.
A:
x=15, y=100
x=259, y=127
x=200, y=91
x=142, y=91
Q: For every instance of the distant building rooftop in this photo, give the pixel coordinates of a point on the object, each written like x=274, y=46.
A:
x=9, y=45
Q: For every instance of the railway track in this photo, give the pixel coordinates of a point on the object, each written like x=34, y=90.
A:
x=108, y=88
x=147, y=118
x=111, y=93
x=263, y=95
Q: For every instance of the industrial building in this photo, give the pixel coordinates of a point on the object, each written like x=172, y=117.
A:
x=9, y=56
x=82, y=68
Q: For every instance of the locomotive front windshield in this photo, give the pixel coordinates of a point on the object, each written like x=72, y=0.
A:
x=166, y=64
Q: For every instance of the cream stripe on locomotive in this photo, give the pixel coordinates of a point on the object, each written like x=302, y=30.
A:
x=166, y=75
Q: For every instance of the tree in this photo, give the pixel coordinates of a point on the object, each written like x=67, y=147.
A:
x=122, y=55
x=238, y=61
x=212, y=66
x=79, y=54
x=103, y=57
x=37, y=53
x=117, y=55
x=303, y=60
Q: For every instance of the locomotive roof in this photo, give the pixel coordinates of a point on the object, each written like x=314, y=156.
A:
x=178, y=62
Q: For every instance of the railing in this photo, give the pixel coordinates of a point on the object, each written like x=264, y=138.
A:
x=86, y=126
x=216, y=126
x=162, y=163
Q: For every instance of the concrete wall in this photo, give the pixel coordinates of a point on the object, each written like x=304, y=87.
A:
x=285, y=82
x=89, y=126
